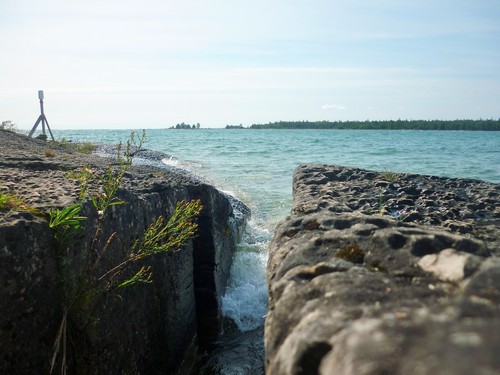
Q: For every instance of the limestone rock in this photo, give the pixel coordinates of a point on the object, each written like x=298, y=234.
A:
x=367, y=276
x=144, y=329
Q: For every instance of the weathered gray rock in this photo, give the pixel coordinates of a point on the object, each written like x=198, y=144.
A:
x=28, y=294
x=139, y=330
x=355, y=290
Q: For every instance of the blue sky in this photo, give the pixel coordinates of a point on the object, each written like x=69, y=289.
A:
x=155, y=63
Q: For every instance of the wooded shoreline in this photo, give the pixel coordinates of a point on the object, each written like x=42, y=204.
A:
x=476, y=125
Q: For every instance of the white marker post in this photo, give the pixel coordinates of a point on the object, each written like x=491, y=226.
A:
x=41, y=118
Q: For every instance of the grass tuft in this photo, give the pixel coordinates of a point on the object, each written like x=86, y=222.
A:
x=13, y=202
x=85, y=147
x=49, y=153
x=389, y=176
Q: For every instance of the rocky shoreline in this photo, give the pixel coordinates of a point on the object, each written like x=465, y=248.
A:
x=145, y=329
x=372, y=273
x=383, y=273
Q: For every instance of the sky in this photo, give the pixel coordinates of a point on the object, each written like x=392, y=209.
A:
x=156, y=63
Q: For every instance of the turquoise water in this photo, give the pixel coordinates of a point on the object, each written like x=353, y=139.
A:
x=257, y=167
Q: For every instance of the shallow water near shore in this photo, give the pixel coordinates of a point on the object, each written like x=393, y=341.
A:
x=257, y=166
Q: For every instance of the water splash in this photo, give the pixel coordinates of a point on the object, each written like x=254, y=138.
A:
x=189, y=165
x=245, y=300
x=171, y=161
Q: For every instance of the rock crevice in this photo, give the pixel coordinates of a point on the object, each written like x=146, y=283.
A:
x=153, y=328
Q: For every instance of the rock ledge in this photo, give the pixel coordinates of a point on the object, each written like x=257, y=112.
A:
x=145, y=329
x=381, y=273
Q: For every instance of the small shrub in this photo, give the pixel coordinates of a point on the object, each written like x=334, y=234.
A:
x=85, y=290
x=9, y=126
x=85, y=147
x=110, y=183
x=389, y=176
x=163, y=236
x=138, y=141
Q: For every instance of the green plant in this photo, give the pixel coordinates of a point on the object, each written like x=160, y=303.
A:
x=13, y=202
x=83, y=291
x=101, y=189
x=389, y=176
x=62, y=142
x=163, y=236
x=65, y=222
x=112, y=178
x=10, y=201
x=85, y=147
x=381, y=209
x=84, y=177
x=136, y=141
x=110, y=183
x=82, y=147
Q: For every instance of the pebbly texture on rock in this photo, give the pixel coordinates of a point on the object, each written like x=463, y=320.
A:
x=143, y=329
x=382, y=273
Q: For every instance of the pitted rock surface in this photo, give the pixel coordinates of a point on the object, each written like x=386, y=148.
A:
x=369, y=276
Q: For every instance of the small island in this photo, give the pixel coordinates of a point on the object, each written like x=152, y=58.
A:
x=182, y=125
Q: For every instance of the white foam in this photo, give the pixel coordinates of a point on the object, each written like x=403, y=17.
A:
x=171, y=161
x=245, y=301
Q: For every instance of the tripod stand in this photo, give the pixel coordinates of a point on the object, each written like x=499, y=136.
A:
x=41, y=119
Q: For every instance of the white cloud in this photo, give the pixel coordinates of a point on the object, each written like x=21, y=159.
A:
x=337, y=107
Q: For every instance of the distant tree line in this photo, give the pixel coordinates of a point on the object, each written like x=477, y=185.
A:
x=492, y=125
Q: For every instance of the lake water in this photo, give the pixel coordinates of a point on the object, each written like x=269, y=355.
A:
x=257, y=166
